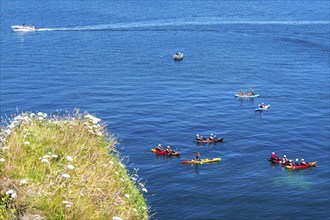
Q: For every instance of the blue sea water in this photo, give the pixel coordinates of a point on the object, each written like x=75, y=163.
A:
x=114, y=59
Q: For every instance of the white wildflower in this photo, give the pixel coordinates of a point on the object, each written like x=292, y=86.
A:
x=70, y=167
x=127, y=196
x=69, y=158
x=27, y=143
x=23, y=182
x=40, y=118
x=55, y=156
x=44, y=160
x=32, y=115
x=13, y=196
x=134, y=209
x=122, y=165
x=40, y=114
x=144, y=207
x=116, y=218
x=65, y=202
x=46, y=157
x=67, y=176
x=2, y=159
x=111, y=162
x=9, y=192
x=44, y=115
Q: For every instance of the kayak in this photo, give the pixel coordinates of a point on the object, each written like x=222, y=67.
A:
x=263, y=109
x=278, y=161
x=202, y=161
x=311, y=164
x=209, y=141
x=164, y=152
x=247, y=96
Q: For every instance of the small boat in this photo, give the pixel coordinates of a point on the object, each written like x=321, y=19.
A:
x=202, y=161
x=24, y=28
x=247, y=96
x=266, y=107
x=164, y=152
x=278, y=161
x=215, y=140
x=296, y=167
x=178, y=56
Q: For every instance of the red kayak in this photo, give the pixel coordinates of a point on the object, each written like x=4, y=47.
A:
x=164, y=152
x=278, y=161
x=295, y=167
x=209, y=140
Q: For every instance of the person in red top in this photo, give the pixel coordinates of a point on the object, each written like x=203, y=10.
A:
x=197, y=156
x=274, y=156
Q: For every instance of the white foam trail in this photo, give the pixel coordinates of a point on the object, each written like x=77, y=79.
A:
x=180, y=22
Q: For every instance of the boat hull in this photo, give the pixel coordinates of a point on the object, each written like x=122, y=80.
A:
x=23, y=28
x=209, y=141
x=202, y=161
x=297, y=167
x=165, y=153
x=263, y=109
x=247, y=96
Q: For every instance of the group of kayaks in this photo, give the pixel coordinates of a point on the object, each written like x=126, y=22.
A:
x=168, y=152
x=251, y=95
x=292, y=165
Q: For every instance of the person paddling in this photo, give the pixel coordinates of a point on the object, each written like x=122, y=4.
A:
x=197, y=156
x=303, y=162
x=159, y=148
x=284, y=159
x=168, y=150
x=262, y=105
x=274, y=156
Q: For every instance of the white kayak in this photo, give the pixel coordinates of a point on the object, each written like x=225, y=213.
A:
x=246, y=96
x=23, y=28
x=266, y=107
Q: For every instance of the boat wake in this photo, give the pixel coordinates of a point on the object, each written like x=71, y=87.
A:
x=169, y=24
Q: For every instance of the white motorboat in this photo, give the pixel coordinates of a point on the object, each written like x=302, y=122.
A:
x=178, y=56
x=24, y=28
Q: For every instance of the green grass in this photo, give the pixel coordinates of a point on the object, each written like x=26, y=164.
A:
x=94, y=185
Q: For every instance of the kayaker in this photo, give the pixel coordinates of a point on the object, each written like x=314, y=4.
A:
x=297, y=162
x=168, y=150
x=291, y=163
x=303, y=162
x=159, y=148
x=262, y=105
x=274, y=156
x=284, y=159
x=211, y=137
x=199, y=138
x=197, y=156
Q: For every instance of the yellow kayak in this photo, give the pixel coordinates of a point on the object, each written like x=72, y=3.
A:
x=202, y=161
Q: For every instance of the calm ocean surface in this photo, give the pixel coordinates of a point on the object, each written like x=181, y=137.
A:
x=114, y=60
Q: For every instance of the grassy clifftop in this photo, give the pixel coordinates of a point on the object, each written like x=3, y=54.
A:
x=64, y=168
